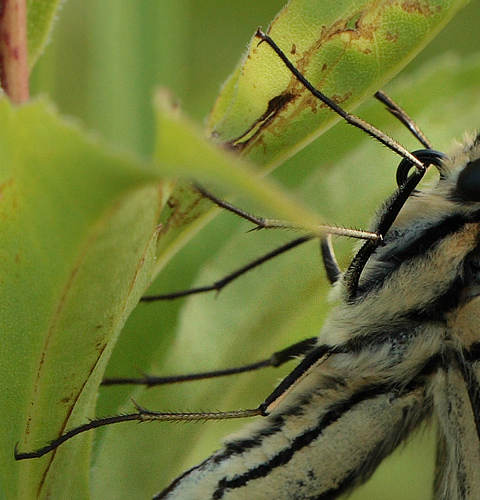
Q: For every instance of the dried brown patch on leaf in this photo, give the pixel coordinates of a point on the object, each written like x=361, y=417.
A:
x=295, y=99
x=421, y=8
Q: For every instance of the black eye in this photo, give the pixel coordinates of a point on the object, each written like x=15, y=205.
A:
x=468, y=183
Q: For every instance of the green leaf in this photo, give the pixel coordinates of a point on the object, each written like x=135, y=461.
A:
x=347, y=49
x=276, y=305
x=41, y=15
x=78, y=242
x=78, y=239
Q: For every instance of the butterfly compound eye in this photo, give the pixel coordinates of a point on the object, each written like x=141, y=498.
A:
x=468, y=183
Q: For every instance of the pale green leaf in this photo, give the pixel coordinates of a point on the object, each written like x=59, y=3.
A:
x=347, y=49
x=77, y=241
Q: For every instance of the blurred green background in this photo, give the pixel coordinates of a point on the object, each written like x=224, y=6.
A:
x=105, y=59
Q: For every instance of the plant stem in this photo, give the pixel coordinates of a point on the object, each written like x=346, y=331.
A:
x=13, y=49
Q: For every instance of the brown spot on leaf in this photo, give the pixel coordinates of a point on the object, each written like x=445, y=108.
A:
x=416, y=7
x=315, y=103
x=185, y=205
x=274, y=107
x=391, y=37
